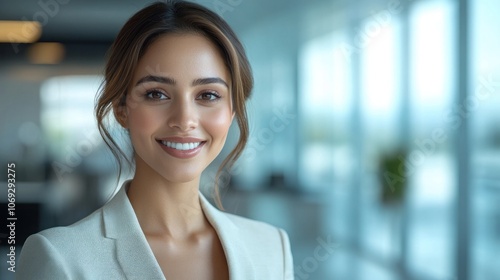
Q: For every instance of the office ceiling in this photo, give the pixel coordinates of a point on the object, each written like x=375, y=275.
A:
x=87, y=28
x=100, y=20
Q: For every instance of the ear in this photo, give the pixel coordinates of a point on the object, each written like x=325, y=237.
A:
x=121, y=113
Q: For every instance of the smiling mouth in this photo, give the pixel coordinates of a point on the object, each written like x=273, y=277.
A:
x=181, y=146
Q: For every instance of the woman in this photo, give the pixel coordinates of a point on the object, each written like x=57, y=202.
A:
x=175, y=79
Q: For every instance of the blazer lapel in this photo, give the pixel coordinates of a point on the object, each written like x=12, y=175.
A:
x=238, y=258
x=132, y=249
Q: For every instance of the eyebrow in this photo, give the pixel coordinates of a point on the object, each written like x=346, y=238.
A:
x=206, y=81
x=158, y=79
x=170, y=81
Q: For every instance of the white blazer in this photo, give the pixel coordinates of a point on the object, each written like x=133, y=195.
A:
x=109, y=244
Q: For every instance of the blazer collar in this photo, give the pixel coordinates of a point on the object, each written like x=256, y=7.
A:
x=136, y=257
x=238, y=257
x=132, y=249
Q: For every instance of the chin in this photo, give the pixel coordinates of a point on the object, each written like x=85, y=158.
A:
x=180, y=176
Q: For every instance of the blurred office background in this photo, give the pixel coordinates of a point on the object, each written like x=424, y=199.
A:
x=375, y=129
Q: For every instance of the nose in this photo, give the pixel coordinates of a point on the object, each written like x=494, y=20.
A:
x=183, y=115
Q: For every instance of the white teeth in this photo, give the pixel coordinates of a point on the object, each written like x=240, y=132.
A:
x=181, y=146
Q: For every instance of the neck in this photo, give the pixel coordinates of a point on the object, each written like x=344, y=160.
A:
x=164, y=208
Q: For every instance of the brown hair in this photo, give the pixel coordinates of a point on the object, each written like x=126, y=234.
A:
x=139, y=32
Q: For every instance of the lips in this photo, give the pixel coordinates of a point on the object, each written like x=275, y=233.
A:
x=181, y=147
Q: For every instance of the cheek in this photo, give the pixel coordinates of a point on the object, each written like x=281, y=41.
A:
x=143, y=120
x=217, y=123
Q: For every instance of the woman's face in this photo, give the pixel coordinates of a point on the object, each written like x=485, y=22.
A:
x=178, y=110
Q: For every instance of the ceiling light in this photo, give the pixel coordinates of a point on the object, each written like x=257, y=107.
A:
x=46, y=53
x=20, y=31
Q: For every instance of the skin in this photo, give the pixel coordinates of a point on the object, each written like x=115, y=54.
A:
x=164, y=190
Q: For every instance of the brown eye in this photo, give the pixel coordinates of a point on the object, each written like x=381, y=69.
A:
x=156, y=95
x=208, y=96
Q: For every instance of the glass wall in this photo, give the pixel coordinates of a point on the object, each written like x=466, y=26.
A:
x=431, y=170
x=385, y=81
x=481, y=109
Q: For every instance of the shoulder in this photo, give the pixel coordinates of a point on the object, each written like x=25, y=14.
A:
x=88, y=228
x=259, y=236
x=64, y=238
x=255, y=228
x=39, y=259
x=58, y=253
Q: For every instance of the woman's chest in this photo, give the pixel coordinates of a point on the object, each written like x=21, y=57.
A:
x=203, y=260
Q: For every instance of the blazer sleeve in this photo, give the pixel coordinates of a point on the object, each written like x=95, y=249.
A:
x=39, y=259
x=287, y=255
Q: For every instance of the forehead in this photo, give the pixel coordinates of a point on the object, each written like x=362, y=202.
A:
x=182, y=56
